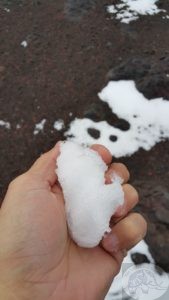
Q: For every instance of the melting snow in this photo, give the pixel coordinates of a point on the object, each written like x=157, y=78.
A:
x=39, y=127
x=148, y=119
x=130, y=10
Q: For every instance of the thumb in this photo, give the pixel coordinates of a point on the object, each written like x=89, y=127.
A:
x=45, y=165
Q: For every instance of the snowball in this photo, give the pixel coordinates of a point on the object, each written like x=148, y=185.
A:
x=89, y=202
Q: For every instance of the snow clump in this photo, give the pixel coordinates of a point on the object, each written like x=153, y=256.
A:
x=89, y=202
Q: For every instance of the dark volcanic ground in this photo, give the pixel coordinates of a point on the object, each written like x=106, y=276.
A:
x=72, y=46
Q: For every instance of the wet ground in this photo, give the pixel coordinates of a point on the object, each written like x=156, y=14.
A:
x=72, y=46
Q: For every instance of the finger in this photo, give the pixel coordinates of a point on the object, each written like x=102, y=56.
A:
x=56, y=189
x=45, y=165
x=119, y=169
x=131, y=198
x=103, y=152
x=125, y=234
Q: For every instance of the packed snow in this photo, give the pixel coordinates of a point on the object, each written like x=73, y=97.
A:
x=5, y=124
x=89, y=202
x=130, y=10
x=39, y=127
x=145, y=281
x=148, y=119
x=58, y=125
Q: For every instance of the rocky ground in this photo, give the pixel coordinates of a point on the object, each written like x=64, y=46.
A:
x=74, y=47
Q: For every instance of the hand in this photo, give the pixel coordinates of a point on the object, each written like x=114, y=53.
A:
x=38, y=258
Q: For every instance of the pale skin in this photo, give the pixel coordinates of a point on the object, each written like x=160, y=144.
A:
x=38, y=258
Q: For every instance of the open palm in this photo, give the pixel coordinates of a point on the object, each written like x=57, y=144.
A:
x=37, y=255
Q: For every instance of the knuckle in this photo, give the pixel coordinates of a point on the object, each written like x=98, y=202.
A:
x=39, y=159
x=143, y=223
x=120, y=167
x=131, y=192
x=141, y=228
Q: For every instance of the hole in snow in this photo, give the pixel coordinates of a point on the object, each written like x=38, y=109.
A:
x=69, y=136
x=113, y=138
x=139, y=258
x=94, y=133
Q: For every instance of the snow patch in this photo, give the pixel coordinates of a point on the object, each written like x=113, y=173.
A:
x=39, y=127
x=148, y=119
x=18, y=126
x=24, y=44
x=4, y=124
x=89, y=202
x=59, y=125
x=155, y=283
x=166, y=17
x=130, y=10
x=7, y=9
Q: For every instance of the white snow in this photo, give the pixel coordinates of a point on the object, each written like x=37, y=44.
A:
x=24, y=44
x=58, y=125
x=89, y=202
x=18, y=126
x=130, y=10
x=39, y=127
x=152, y=281
x=7, y=125
x=166, y=17
x=6, y=9
x=148, y=119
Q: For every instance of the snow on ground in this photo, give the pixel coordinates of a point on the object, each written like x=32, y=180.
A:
x=4, y=124
x=59, y=125
x=130, y=10
x=141, y=282
x=18, y=126
x=148, y=119
x=24, y=44
x=39, y=127
x=7, y=9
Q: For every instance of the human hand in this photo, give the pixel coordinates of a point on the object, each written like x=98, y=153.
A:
x=38, y=258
